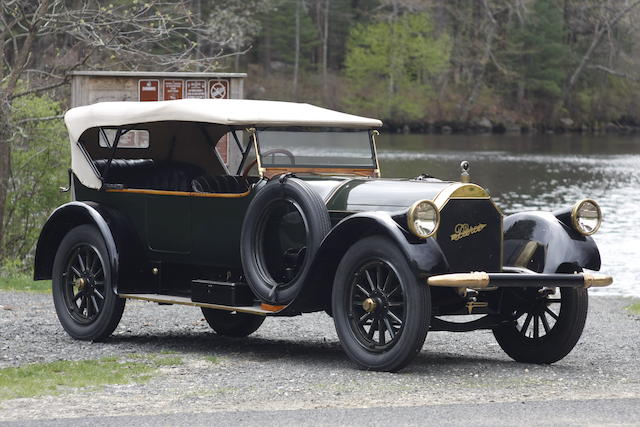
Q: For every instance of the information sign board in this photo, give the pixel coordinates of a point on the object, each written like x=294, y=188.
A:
x=173, y=89
x=219, y=89
x=148, y=90
x=196, y=89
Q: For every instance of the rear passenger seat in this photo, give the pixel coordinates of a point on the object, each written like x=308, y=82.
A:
x=147, y=174
x=220, y=184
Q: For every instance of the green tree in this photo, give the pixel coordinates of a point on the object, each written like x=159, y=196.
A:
x=538, y=53
x=39, y=159
x=391, y=66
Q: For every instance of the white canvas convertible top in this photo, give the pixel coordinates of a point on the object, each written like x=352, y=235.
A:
x=235, y=112
x=232, y=112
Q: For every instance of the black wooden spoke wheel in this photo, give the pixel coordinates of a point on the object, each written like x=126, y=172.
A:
x=545, y=325
x=232, y=324
x=381, y=310
x=282, y=230
x=83, y=295
x=378, y=303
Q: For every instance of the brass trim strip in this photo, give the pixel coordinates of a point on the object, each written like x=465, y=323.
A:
x=270, y=172
x=459, y=190
x=375, y=133
x=526, y=254
x=168, y=299
x=179, y=193
x=596, y=280
x=481, y=280
x=475, y=279
x=254, y=137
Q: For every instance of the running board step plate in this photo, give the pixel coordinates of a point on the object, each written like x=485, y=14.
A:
x=170, y=299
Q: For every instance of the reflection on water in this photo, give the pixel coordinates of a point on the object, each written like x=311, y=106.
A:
x=541, y=172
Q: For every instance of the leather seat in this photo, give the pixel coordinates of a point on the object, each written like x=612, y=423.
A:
x=147, y=174
x=220, y=184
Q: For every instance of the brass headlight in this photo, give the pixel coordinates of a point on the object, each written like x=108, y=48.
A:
x=423, y=218
x=586, y=217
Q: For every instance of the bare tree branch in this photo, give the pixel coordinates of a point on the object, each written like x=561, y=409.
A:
x=600, y=30
x=614, y=72
x=39, y=119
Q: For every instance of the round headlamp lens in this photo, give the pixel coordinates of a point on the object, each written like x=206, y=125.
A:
x=423, y=218
x=586, y=217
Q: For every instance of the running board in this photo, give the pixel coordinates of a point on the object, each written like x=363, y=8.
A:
x=261, y=310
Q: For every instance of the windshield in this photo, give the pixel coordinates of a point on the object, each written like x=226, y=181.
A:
x=324, y=148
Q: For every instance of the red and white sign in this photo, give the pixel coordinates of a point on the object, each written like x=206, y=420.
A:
x=219, y=89
x=173, y=89
x=148, y=90
x=196, y=89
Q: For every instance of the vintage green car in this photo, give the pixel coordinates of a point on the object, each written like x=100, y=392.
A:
x=251, y=208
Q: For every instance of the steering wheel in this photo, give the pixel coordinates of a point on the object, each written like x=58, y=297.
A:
x=289, y=154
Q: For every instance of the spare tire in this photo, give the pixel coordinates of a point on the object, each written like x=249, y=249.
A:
x=281, y=233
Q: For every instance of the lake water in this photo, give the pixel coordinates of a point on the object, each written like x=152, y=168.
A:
x=542, y=172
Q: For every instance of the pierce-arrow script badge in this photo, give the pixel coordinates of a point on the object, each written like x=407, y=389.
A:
x=465, y=230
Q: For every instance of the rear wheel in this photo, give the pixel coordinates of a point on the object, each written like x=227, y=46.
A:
x=380, y=309
x=546, y=326
x=232, y=323
x=83, y=294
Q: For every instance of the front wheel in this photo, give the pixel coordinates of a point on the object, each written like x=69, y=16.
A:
x=381, y=310
x=83, y=295
x=232, y=324
x=545, y=326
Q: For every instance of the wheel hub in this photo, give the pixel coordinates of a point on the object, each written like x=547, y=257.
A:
x=369, y=305
x=80, y=282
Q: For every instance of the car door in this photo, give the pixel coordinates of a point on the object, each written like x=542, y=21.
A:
x=169, y=222
x=216, y=226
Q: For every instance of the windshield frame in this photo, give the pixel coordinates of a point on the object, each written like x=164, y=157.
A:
x=344, y=169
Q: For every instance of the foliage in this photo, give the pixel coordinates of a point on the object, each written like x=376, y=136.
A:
x=538, y=52
x=509, y=60
x=391, y=66
x=39, y=159
x=279, y=24
x=39, y=379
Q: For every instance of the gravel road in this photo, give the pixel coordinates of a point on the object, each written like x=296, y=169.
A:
x=297, y=364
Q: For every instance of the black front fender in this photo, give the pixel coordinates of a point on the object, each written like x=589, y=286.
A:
x=542, y=243
x=424, y=256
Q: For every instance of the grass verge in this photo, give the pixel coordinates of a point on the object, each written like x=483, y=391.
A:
x=39, y=379
x=25, y=283
x=634, y=308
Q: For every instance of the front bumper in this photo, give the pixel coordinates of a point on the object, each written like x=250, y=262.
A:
x=519, y=278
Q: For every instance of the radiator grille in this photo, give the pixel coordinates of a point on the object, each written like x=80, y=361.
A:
x=470, y=235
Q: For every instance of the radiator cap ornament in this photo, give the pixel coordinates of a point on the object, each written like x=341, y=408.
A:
x=464, y=172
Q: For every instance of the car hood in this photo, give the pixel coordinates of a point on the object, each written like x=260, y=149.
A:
x=361, y=194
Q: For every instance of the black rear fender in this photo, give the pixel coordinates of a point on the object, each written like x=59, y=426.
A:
x=424, y=256
x=124, y=249
x=542, y=243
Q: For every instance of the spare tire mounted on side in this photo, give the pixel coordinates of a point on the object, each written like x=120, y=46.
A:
x=282, y=231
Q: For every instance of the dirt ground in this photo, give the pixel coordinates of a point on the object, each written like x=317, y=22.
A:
x=297, y=363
